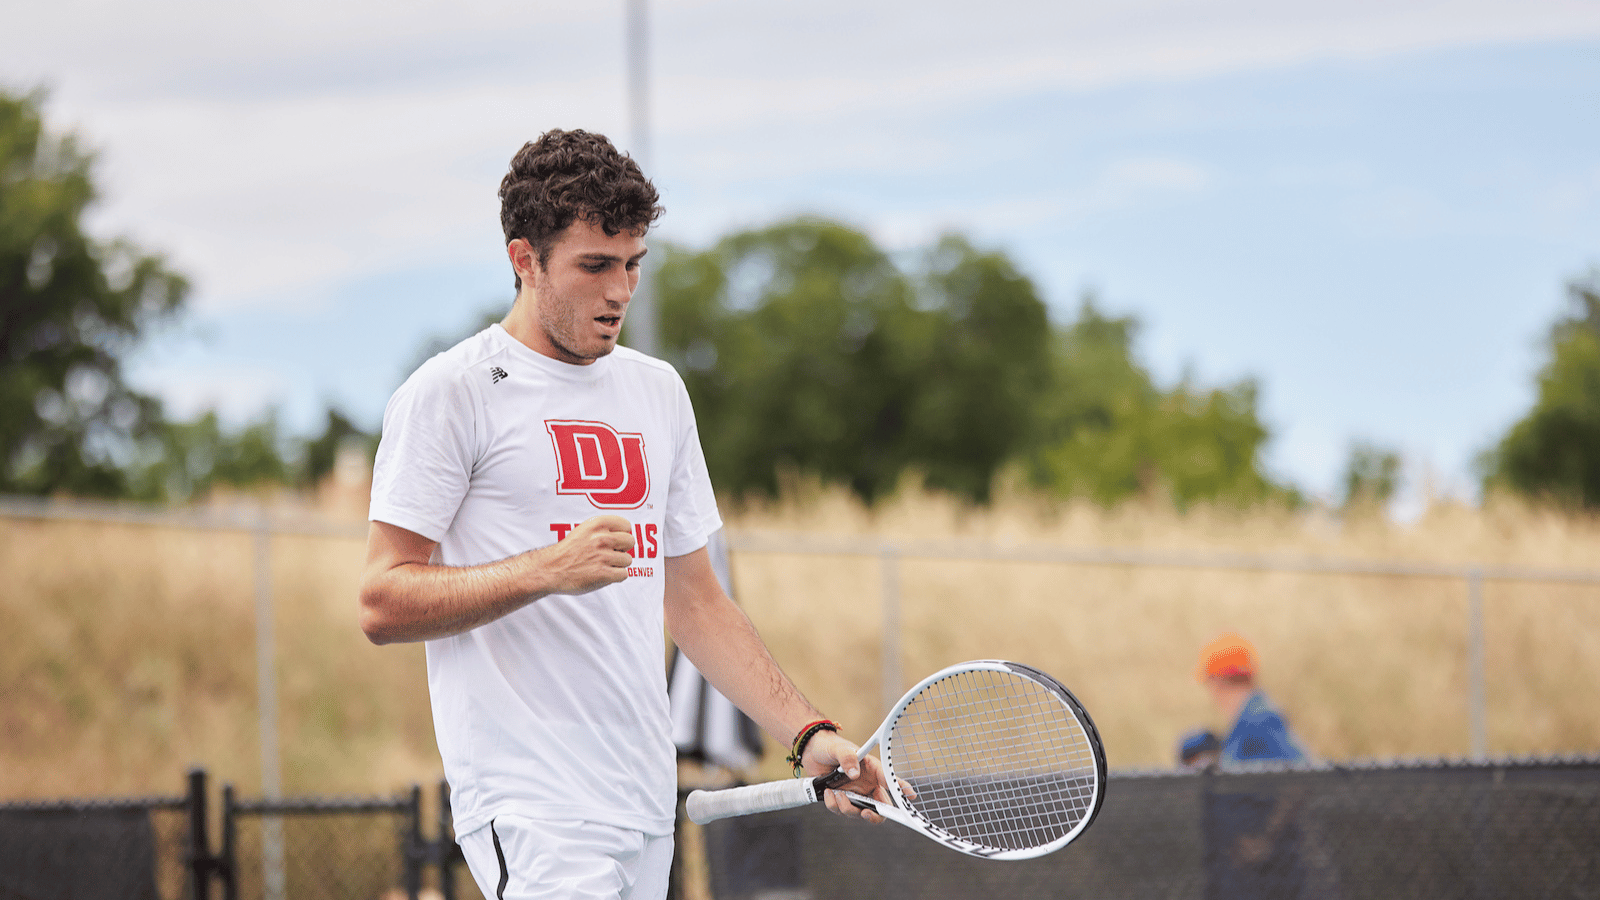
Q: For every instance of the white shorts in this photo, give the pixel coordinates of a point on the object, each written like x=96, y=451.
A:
x=527, y=859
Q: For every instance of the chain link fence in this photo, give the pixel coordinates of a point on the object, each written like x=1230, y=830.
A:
x=321, y=849
x=161, y=848
x=126, y=849
x=1526, y=829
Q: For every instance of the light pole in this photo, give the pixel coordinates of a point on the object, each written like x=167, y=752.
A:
x=643, y=332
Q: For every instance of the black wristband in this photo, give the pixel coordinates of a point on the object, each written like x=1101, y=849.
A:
x=804, y=738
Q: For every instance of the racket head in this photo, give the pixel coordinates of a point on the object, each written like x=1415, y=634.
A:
x=1001, y=760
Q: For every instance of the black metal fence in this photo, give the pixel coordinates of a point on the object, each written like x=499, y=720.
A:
x=125, y=849
x=1446, y=830
x=1527, y=830
x=162, y=848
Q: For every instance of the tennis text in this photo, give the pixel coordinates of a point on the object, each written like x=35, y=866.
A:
x=645, y=539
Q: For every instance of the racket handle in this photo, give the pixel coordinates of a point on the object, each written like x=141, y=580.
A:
x=709, y=806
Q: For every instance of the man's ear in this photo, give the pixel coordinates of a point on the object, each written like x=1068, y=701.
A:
x=524, y=260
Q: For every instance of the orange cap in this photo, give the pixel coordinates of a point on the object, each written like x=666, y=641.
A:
x=1228, y=656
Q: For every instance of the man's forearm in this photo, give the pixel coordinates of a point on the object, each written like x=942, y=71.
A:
x=404, y=597
x=724, y=645
x=419, y=601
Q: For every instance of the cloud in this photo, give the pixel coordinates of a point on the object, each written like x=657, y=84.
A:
x=238, y=395
x=833, y=57
x=275, y=149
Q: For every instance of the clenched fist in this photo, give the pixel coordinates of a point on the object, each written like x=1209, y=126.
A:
x=591, y=556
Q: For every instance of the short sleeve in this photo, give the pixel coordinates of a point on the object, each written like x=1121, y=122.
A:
x=425, y=457
x=692, y=514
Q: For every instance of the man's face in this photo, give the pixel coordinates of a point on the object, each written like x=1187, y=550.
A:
x=581, y=293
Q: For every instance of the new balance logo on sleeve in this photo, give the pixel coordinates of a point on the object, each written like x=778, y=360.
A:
x=497, y=373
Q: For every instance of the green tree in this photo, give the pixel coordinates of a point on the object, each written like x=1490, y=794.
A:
x=185, y=460
x=784, y=339
x=984, y=370
x=1553, y=452
x=319, y=454
x=804, y=346
x=1371, y=475
x=70, y=307
x=1107, y=431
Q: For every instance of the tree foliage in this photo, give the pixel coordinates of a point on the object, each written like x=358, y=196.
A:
x=1553, y=452
x=1371, y=476
x=186, y=460
x=1107, y=431
x=70, y=307
x=805, y=346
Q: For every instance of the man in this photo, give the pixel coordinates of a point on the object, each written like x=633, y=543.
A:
x=1228, y=667
x=540, y=510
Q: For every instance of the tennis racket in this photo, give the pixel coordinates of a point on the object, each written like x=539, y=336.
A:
x=991, y=758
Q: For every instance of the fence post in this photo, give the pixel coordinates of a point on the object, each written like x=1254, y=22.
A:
x=415, y=850
x=199, y=850
x=267, y=711
x=1476, y=700
x=228, y=865
x=889, y=562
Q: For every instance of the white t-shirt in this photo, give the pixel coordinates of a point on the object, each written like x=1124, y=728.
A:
x=557, y=710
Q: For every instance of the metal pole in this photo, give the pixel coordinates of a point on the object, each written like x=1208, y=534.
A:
x=230, y=852
x=1477, y=714
x=199, y=859
x=267, y=710
x=639, y=79
x=416, y=849
x=889, y=561
x=643, y=321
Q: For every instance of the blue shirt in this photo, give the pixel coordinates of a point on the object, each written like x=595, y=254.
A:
x=1260, y=735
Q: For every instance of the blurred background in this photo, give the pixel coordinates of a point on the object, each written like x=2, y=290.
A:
x=1301, y=280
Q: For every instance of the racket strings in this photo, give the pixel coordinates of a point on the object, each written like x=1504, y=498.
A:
x=995, y=758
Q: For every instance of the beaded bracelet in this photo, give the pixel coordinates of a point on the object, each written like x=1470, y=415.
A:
x=804, y=738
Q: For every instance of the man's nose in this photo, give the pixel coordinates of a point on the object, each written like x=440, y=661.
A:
x=619, y=288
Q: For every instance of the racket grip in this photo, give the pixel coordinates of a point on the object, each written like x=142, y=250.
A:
x=709, y=806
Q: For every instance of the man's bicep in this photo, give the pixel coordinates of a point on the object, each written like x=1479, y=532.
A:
x=390, y=546
x=687, y=575
x=691, y=584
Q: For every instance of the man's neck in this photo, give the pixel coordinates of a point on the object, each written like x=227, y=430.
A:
x=521, y=323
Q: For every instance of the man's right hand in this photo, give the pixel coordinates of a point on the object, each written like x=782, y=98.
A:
x=591, y=556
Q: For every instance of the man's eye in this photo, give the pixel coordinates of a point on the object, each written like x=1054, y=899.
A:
x=596, y=268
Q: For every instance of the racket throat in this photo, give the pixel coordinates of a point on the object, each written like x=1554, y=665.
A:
x=860, y=802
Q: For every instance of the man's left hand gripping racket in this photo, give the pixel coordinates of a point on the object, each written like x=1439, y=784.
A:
x=992, y=758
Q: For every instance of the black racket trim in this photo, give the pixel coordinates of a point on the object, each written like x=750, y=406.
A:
x=1089, y=728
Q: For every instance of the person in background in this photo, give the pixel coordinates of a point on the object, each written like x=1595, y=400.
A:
x=1256, y=838
x=1228, y=670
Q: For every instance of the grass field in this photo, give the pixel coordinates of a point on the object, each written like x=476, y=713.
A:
x=127, y=652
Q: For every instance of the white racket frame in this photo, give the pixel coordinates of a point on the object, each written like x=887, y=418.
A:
x=708, y=806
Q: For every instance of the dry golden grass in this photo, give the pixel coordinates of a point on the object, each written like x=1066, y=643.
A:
x=1365, y=666
x=127, y=652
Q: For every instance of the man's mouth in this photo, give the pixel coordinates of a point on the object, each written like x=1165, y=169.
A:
x=608, y=321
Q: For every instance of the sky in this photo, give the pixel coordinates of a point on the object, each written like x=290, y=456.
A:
x=1370, y=208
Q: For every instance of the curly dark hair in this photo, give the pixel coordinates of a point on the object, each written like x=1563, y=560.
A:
x=567, y=175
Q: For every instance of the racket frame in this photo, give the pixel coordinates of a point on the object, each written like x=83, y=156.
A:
x=708, y=805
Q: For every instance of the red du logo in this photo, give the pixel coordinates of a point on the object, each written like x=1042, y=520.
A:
x=593, y=458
